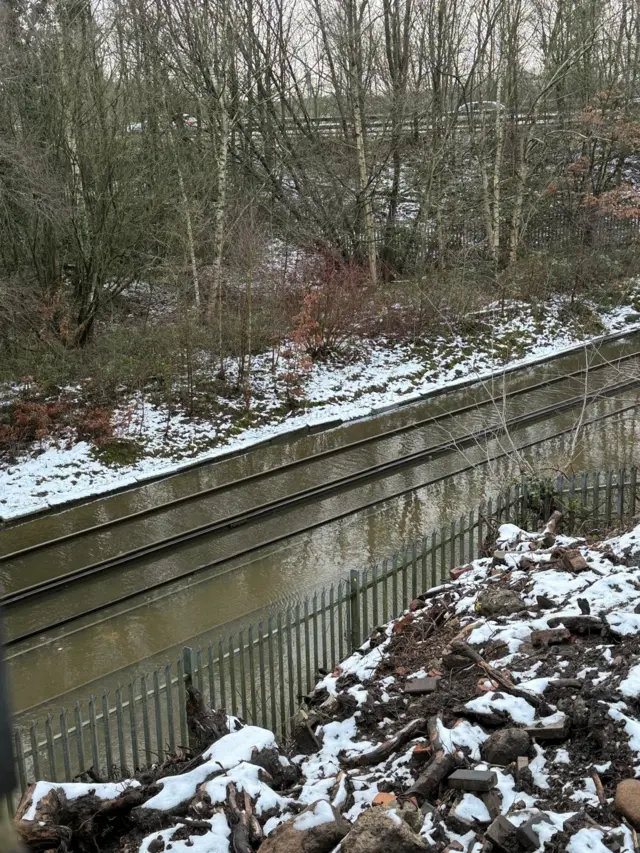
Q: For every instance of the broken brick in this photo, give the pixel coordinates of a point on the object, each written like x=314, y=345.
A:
x=383, y=799
x=456, y=573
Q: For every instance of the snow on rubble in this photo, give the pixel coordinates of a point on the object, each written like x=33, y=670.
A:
x=382, y=374
x=500, y=712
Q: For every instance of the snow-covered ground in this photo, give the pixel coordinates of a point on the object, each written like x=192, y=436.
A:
x=383, y=375
x=534, y=655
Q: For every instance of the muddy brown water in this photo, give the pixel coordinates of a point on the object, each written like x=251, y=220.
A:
x=122, y=640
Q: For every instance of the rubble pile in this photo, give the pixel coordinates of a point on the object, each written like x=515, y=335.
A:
x=501, y=712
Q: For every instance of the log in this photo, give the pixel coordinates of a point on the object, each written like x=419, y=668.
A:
x=205, y=725
x=439, y=767
x=551, y=529
x=437, y=770
x=495, y=675
x=385, y=749
x=239, y=821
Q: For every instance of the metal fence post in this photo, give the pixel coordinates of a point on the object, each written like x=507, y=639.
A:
x=354, y=600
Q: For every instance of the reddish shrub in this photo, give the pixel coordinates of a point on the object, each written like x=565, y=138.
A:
x=95, y=425
x=331, y=307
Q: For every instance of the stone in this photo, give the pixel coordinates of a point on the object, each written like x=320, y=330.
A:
x=496, y=601
x=526, y=833
x=567, y=683
x=573, y=561
x=627, y=800
x=552, y=637
x=419, y=686
x=499, y=558
x=454, y=661
x=378, y=831
x=522, y=762
x=295, y=836
x=473, y=780
x=504, y=746
x=502, y=834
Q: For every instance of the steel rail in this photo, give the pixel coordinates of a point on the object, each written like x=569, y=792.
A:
x=13, y=641
x=305, y=460
x=313, y=492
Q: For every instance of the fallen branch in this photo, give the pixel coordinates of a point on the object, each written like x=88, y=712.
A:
x=495, y=675
x=385, y=749
x=441, y=765
x=240, y=834
x=599, y=789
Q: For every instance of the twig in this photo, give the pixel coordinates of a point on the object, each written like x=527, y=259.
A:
x=495, y=675
x=599, y=789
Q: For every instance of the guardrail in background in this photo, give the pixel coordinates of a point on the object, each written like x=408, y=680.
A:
x=262, y=672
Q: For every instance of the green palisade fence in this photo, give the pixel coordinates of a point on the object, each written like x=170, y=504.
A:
x=261, y=673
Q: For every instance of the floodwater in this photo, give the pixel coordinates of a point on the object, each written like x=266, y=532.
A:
x=360, y=524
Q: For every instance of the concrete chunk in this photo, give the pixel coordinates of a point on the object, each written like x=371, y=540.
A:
x=418, y=686
x=526, y=834
x=502, y=834
x=473, y=780
x=557, y=731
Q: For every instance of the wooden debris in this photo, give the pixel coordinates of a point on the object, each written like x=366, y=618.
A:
x=578, y=624
x=521, y=762
x=387, y=748
x=439, y=767
x=205, y=725
x=567, y=683
x=473, y=780
x=239, y=820
x=495, y=675
x=551, y=529
x=602, y=798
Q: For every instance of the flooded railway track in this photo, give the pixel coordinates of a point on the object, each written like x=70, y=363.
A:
x=127, y=573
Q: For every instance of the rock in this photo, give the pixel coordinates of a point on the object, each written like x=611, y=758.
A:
x=505, y=746
x=552, y=637
x=502, y=834
x=317, y=829
x=498, y=602
x=573, y=561
x=627, y=800
x=379, y=831
x=527, y=835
